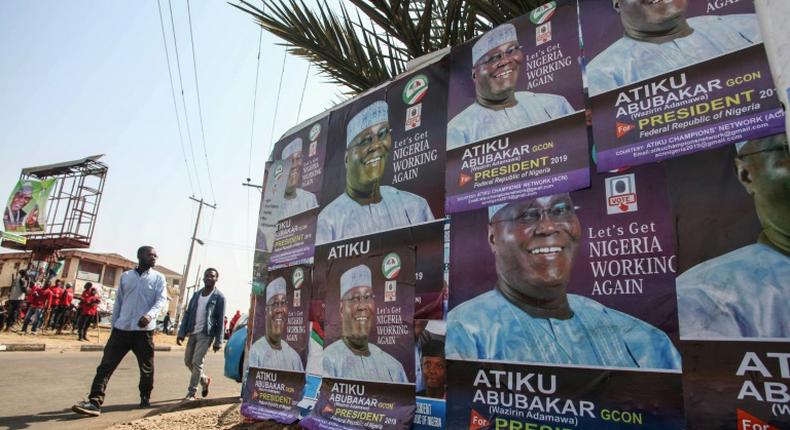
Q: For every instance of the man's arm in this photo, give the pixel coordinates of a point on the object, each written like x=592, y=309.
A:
x=182, y=327
x=219, y=315
x=117, y=306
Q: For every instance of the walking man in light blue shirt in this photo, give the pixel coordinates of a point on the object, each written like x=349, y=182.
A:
x=141, y=295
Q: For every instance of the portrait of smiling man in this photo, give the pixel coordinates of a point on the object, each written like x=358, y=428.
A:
x=529, y=316
x=659, y=38
x=296, y=199
x=271, y=351
x=498, y=108
x=353, y=356
x=14, y=216
x=366, y=206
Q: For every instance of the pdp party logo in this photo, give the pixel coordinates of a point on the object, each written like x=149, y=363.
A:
x=542, y=14
x=278, y=171
x=315, y=131
x=390, y=266
x=298, y=278
x=415, y=89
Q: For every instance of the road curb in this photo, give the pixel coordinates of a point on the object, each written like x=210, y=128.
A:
x=94, y=348
x=15, y=347
x=194, y=404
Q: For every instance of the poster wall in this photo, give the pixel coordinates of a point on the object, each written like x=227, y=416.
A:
x=463, y=266
x=677, y=77
x=515, y=121
x=26, y=208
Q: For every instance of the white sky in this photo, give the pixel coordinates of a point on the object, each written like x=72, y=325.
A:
x=87, y=77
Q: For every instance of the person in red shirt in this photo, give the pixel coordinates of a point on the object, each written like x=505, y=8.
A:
x=54, y=305
x=234, y=320
x=63, y=310
x=39, y=298
x=89, y=308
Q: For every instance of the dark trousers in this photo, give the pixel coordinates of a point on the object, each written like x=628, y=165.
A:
x=13, y=312
x=141, y=343
x=83, y=324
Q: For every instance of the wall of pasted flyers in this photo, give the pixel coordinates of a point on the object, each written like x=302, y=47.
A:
x=467, y=248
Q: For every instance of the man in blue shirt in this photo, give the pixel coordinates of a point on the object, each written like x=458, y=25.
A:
x=746, y=292
x=141, y=295
x=203, y=323
x=658, y=38
x=529, y=316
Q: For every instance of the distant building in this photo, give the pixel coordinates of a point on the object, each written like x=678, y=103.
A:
x=79, y=267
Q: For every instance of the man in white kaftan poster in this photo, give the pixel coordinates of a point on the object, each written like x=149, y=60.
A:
x=271, y=351
x=498, y=108
x=366, y=206
x=353, y=356
x=528, y=316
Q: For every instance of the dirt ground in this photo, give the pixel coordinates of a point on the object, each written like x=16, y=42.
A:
x=68, y=340
x=224, y=417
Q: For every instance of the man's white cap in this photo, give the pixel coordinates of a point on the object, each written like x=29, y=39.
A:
x=274, y=288
x=501, y=35
x=358, y=276
x=27, y=187
x=740, y=145
x=492, y=210
x=374, y=114
x=292, y=148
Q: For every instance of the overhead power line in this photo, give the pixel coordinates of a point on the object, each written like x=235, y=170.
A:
x=173, y=94
x=183, y=99
x=200, y=108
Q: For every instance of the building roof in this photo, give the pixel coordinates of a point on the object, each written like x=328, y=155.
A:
x=109, y=258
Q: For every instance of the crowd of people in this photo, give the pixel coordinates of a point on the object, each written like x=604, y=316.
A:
x=40, y=304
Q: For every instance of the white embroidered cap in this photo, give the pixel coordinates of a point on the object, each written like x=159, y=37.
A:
x=505, y=33
x=358, y=276
x=374, y=114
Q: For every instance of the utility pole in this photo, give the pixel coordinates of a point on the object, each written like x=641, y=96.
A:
x=185, y=276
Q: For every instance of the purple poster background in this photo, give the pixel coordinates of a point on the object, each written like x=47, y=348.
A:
x=356, y=405
x=599, y=19
x=725, y=100
x=712, y=384
x=546, y=159
x=313, y=138
x=294, y=240
x=567, y=80
x=394, y=310
x=560, y=398
x=611, y=252
x=418, y=156
x=272, y=395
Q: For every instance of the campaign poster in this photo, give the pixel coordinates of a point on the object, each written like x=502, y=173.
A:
x=26, y=209
x=582, y=281
x=368, y=358
x=306, y=149
x=431, y=375
x=279, y=351
x=677, y=77
x=384, y=158
x=294, y=240
x=274, y=182
x=732, y=212
x=430, y=295
x=515, y=124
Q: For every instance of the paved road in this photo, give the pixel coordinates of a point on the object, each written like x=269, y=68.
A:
x=37, y=389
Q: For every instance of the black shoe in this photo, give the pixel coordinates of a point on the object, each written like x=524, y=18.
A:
x=204, y=391
x=87, y=408
x=145, y=402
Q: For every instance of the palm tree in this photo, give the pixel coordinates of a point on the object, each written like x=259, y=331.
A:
x=363, y=48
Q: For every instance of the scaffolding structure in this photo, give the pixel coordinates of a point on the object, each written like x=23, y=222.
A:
x=71, y=208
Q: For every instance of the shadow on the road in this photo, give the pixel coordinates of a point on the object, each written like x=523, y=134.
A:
x=20, y=422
